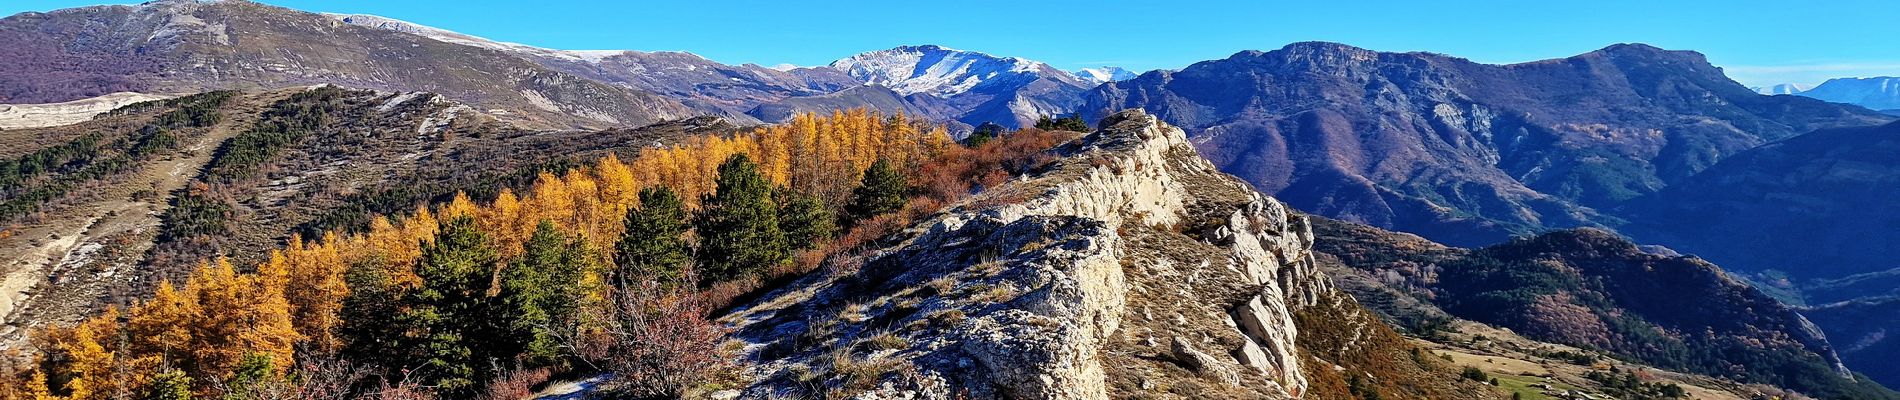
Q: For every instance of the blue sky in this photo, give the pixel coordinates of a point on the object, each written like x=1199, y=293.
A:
x=1758, y=42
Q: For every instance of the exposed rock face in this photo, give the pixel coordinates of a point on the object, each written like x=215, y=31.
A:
x=15, y=116
x=1461, y=152
x=1126, y=263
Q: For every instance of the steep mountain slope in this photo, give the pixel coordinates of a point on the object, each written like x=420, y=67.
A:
x=1010, y=91
x=265, y=166
x=189, y=46
x=727, y=90
x=79, y=202
x=1591, y=289
x=1861, y=328
x=1879, y=93
x=1463, y=152
x=1830, y=191
x=1125, y=266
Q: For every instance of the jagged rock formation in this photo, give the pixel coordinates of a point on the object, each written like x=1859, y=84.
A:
x=1461, y=152
x=1126, y=265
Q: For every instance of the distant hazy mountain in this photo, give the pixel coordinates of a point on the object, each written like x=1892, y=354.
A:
x=1879, y=93
x=1104, y=75
x=1819, y=205
x=176, y=46
x=941, y=83
x=1462, y=152
x=1785, y=88
x=1007, y=90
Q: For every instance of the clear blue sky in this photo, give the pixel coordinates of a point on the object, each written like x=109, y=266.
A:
x=1758, y=42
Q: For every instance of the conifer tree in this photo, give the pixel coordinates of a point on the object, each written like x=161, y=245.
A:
x=167, y=385
x=1073, y=123
x=543, y=288
x=253, y=372
x=804, y=219
x=882, y=191
x=738, y=223
x=162, y=326
x=450, y=311
x=373, y=328
x=983, y=134
x=652, y=243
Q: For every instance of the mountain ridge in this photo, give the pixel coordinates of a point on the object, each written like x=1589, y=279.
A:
x=1459, y=151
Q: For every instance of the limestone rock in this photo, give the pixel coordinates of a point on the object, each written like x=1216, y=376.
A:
x=1080, y=280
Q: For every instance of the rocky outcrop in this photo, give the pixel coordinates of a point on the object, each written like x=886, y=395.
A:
x=1126, y=264
x=15, y=116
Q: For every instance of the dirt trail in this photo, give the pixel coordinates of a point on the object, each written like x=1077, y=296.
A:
x=69, y=237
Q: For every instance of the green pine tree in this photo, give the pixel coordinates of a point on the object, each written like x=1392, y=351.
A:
x=653, y=245
x=169, y=385
x=542, y=290
x=804, y=219
x=1073, y=122
x=738, y=223
x=450, y=311
x=253, y=371
x=983, y=134
x=882, y=191
x=372, y=330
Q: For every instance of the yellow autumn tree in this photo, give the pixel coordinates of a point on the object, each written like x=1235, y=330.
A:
x=317, y=268
x=161, y=326
x=243, y=314
x=222, y=315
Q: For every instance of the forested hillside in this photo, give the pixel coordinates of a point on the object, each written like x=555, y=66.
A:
x=583, y=271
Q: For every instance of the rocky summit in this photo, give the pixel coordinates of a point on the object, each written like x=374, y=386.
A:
x=1126, y=264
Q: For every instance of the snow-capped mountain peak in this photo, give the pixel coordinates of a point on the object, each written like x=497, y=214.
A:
x=942, y=71
x=1878, y=93
x=1104, y=74
x=448, y=36
x=1785, y=88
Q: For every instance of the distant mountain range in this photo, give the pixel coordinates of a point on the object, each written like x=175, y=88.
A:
x=1877, y=93
x=984, y=88
x=180, y=46
x=1462, y=152
x=1104, y=74
x=963, y=86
